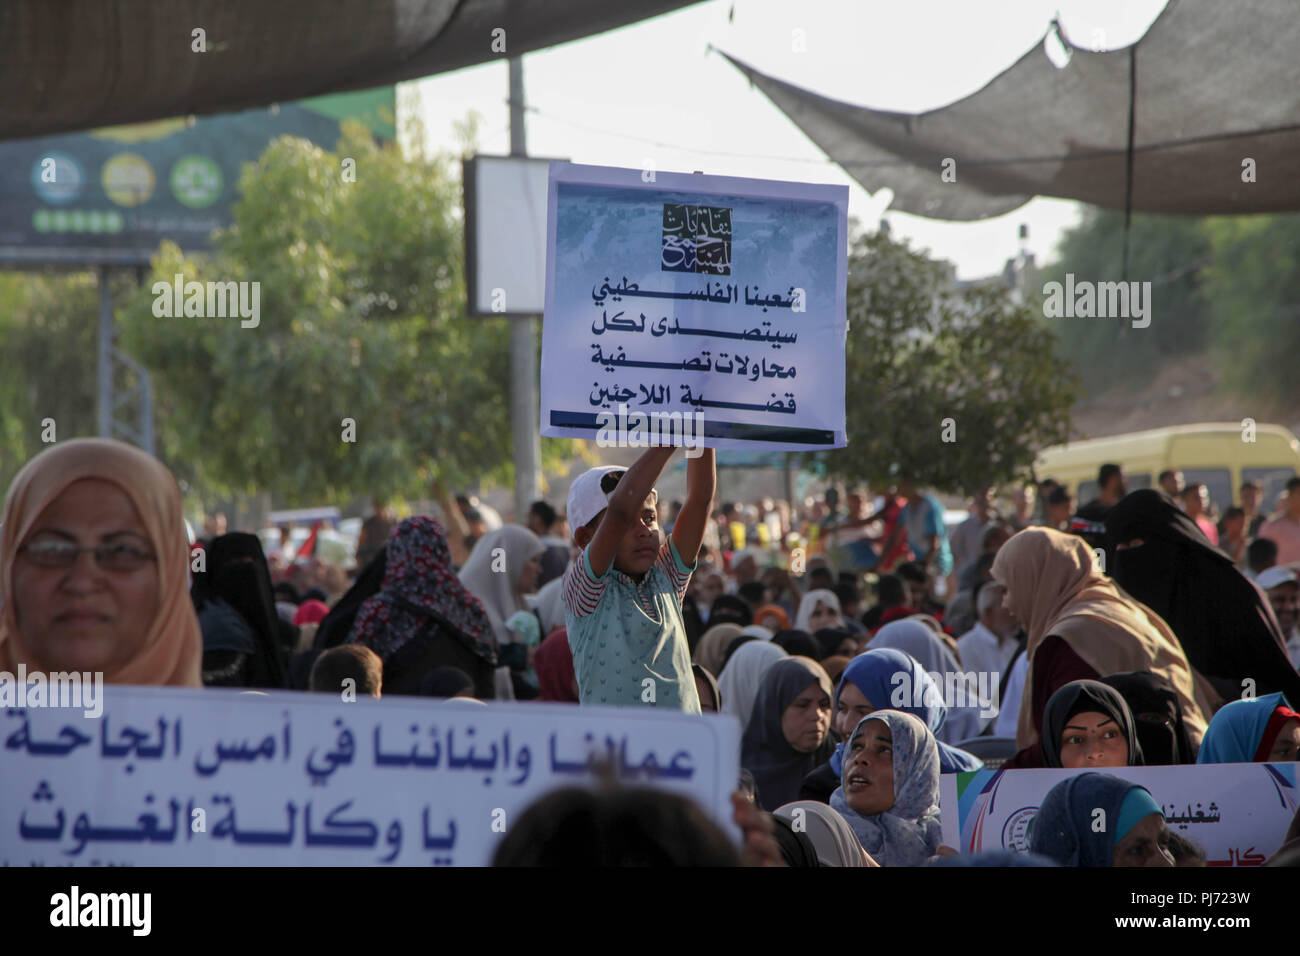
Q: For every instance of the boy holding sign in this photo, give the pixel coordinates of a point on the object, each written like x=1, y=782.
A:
x=623, y=596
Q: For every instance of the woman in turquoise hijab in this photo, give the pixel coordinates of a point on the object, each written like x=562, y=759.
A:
x=1262, y=729
x=1094, y=819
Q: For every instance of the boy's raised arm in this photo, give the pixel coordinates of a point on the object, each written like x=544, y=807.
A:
x=688, y=532
x=625, y=504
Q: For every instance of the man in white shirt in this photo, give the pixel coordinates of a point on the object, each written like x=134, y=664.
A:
x=990, y=644
x=1283, y=590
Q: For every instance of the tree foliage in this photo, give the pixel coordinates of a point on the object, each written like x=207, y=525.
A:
x=921, y=351
x=362, y=319
x=48, y=329
x=1171, y=253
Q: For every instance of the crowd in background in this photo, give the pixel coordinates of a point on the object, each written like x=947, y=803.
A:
x=1133, y=629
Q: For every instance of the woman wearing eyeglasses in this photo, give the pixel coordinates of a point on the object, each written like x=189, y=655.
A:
x=93, y=568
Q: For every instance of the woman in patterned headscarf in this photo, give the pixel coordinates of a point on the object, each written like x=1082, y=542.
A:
x=889, y=790
x=421, y=597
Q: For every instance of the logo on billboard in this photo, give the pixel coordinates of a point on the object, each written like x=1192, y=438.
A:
x=57, y=177
x=196, y=181
x=128, y=179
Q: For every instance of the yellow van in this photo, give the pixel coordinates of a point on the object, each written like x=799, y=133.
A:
x=1218, y=454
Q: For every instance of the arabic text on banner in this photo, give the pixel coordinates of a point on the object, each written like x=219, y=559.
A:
x=1237, y=813
x=714, y=299
x=202, y=778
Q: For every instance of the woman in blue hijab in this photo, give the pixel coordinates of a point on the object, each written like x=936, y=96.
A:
x=873, y=681
x=889, y=791
x=1246, y=731
x=1094, y=819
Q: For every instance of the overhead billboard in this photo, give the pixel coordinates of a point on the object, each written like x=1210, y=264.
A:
x=110, y=196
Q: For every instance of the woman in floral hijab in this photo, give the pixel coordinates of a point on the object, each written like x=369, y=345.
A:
x=420, y=587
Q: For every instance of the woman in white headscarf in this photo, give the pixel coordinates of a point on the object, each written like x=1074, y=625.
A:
x=818, y=609
x=500, y=571
x=743, y=676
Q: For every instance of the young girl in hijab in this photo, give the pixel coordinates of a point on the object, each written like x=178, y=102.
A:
x=134, y=620
x=743, y=676
x=1088, y=725
x=1261, y=730
x=889, y=790
x=817, y=609
x=914, y=638
x=787, y=735
x=1081, y=626
x=1129, y=830
x=1164, y=560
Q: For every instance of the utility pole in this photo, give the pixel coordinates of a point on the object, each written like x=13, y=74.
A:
x=524, y=401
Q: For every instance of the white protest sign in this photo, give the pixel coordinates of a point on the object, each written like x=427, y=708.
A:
x=704, y=311
x=213, y=777
x=1237, y=813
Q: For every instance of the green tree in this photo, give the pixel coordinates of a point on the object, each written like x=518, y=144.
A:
x=48, y=329
x=921, y=351
x=1253, y=286
x=1170, y=252
x=362, y=319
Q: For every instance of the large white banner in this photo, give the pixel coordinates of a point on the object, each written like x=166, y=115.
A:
x=1237, y=813
x=215, y=777
x=694, y=310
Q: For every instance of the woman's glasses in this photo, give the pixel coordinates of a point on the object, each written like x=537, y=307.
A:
x=59, y=553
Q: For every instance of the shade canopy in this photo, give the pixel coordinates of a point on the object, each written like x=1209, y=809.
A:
x=1211, y=85
x=80, y=64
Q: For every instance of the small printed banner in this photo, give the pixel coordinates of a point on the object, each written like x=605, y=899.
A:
x=1236, y=813
x=170, y=777
x=704, y=311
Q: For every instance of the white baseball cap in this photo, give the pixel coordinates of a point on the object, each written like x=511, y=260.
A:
x=586, y=500
x=1270, y=578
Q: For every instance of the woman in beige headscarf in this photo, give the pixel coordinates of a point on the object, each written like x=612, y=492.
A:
x=711, y=651
x=1080, y=624
x=94, y=567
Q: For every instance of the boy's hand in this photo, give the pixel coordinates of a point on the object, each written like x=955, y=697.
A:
x=759, y=846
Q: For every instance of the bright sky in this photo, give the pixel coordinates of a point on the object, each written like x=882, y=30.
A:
x=652, y=92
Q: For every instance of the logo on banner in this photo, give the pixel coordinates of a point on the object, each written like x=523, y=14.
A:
x=696, y=239
x=1015, y=832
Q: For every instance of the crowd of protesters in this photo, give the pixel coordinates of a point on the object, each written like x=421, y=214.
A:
x=1133, y=629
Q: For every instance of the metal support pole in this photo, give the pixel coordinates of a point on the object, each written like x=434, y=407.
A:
x=105, y=356
x=524, y=415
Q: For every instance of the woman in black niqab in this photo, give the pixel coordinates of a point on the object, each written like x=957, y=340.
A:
x=1223, y=620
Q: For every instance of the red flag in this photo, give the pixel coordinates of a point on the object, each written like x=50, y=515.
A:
x=309, y=545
